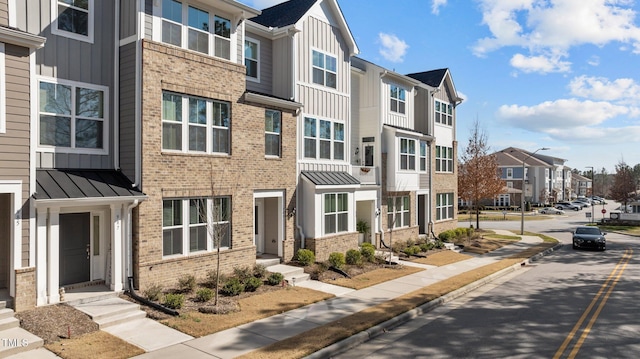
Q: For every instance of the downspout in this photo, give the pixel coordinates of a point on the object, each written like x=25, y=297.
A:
x=138, y=98
x=116, y=88
x=129, y=238
x=298, y=143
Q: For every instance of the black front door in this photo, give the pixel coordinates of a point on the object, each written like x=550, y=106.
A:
x=75, y=233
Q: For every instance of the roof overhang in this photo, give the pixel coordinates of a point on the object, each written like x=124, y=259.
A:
x=21, y=38
x=331, y=179
x=272, y=101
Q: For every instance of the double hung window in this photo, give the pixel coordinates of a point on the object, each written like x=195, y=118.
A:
x=336, y=212
x=74, y=19
x=398, y=212
x=72, y=115
x=192, y=124
x=423, y=156
x=252, y=58
x=272, y=133
x=444, y=159
x=398, y=102
x=323, y=139
x=324, y=69
x=444, y=113
x=444, y=206
x=407, y=154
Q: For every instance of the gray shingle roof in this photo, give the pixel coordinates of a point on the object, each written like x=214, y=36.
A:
x=284, y=14
x=328, y=178
x=70, y=184
x=432, y=78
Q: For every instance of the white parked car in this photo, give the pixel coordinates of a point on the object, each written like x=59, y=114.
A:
x=551, y=210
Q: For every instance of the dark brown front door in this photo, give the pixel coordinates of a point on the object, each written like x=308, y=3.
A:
x=75, y=233
x=5, y=238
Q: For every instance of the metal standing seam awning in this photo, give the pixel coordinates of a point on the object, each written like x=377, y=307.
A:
x=73, y=185
x=331, y=178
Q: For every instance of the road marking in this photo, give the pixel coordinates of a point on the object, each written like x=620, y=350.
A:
x=608, y=286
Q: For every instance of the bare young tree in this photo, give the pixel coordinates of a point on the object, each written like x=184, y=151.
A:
x=624, y=185
x=478, y=172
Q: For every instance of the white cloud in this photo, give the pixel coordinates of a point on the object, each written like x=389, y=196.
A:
x=556, y=26
x=594, y=61
x=436, y=5
x=392, y=48
x=623, y=91
x=541, y=63
x=573, y=120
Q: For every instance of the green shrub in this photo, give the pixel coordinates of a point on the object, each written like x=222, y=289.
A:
x=204, y=295
x=426, y=246
x=368, y=252
x=173, y=300
x=243, y=273
x=232, y=287
x=259, y=271
x=446, y=236
x=251, y=284
x=305, y=257
x=354, y=257
x=187, y=283
x=153, y=292
x=275, y=278
x=439, y=244
x=336, y=260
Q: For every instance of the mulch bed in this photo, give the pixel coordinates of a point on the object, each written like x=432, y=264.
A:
x=55, y=322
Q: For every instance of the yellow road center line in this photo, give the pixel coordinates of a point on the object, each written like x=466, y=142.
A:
x=595, y=315
x=577, y=326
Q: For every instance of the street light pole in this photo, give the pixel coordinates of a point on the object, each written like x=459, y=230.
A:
x=592, y=193
x=523, y=190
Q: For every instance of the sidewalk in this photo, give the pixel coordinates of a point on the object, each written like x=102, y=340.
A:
x=248, y=337
x=251, y=336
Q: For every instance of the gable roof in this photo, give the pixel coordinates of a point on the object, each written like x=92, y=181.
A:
x=436, y=79
x=289, y=13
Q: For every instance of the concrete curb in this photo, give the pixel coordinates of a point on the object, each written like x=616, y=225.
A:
x=381, y=328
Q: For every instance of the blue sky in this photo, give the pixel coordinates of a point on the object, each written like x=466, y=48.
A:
x=563, y=74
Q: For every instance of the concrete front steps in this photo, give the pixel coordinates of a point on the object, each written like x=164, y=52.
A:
x=293, y=275
x=13, y=339
x=110, y=311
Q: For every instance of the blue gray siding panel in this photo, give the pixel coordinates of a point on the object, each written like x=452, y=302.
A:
x=127, y=108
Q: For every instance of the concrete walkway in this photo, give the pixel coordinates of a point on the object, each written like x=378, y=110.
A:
x=161, y=342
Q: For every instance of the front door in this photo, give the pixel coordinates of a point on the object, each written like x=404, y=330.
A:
x=75, y=233
x=259, y=226
x=5, y=238
x=368, y=155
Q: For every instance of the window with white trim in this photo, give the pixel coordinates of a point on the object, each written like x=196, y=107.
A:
x=73, y=19
x=397, y=95
x=324, y=69
x=423, y=156
x=72, y=115
x=192, y=124
x=444, y=206
x=252, y=58
x=444, y=159
x=272, y=132
x=191, y=225
x=509, y=172
x=407, y=154
x=336, y=212
x=398, y=212
x=189, y=27
x=3, y=92
x=444, y=113
x=323, y=139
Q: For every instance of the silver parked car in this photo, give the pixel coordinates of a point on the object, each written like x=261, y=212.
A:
x=551, y=210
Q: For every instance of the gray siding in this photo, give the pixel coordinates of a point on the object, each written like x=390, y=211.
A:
x=266, y=66
x=127, y=109
x=75, y=60
x=148, y=19
x=4, y=13
x=14, y=144
x=282, y=65
x=128, y=17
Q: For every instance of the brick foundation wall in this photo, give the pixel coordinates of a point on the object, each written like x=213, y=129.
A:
x=399, y=234
x=25, y=289
x=323, y=247
x=187, y=175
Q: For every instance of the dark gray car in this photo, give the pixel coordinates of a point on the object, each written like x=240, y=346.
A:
x=589, y=237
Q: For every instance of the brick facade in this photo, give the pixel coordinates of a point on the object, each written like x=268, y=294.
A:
x=25, y=289
x=187, y=175
x=323, y=247
x=445, y=183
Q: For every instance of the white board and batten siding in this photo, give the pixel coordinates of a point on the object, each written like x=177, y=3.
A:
x=90, y=62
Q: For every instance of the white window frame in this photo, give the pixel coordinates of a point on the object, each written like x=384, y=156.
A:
x=444, y=163
x=410, y=156
x=184, y=28
x=185, y=125
x=72, y=35
x=257, y=59
x=444, y=206
x=185, y=226
x=3, y=91
x=423, y=156
x=337, y=213
x=273, y=133
x=398, y=216
x=333, y=142
x=106, y=123
x=398, y=100
x=324, y=69
x=443, y=117
x=509, y=173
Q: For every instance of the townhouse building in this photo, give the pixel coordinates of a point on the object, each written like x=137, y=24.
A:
x=581, y=185
x=525, y=175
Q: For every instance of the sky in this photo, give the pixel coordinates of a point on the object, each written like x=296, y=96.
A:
x=562, y=74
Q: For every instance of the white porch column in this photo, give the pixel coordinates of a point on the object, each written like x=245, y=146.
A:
x=53, y=256
x=41, y=257
x=116, y=248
